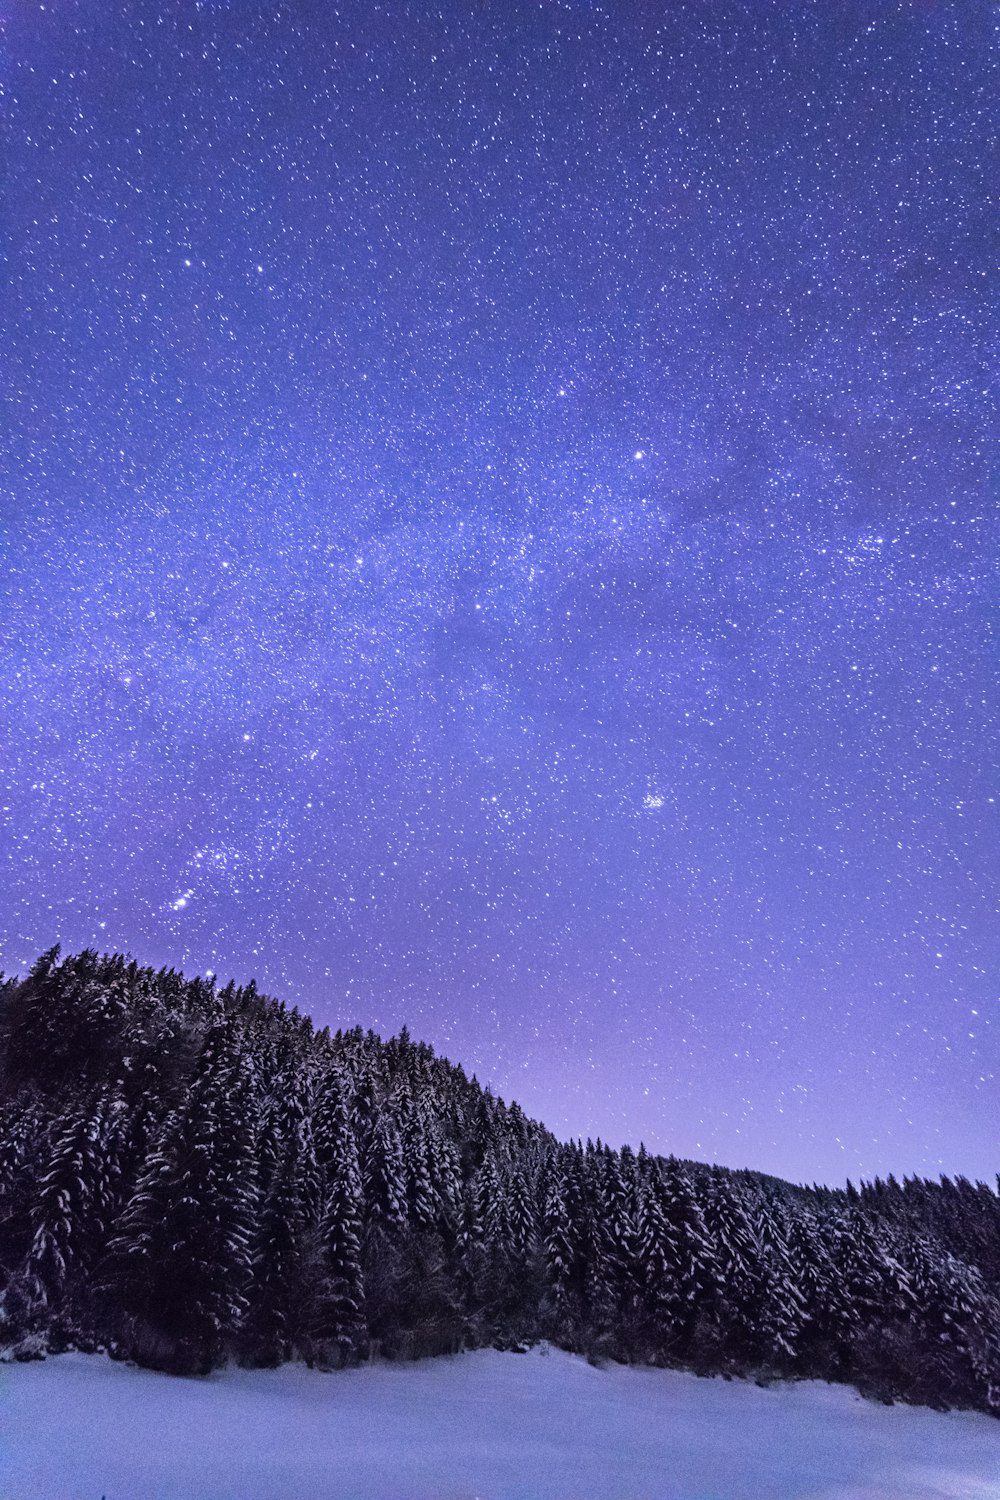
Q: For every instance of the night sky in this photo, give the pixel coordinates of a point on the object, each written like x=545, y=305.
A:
x=499, y=534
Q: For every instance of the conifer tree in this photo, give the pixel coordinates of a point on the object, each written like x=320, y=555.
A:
x=178, y=1263
x=68, y=1227
x=559, y=1257
x=340, y=1326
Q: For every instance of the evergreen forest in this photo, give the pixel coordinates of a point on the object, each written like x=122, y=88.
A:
x=193, y=1174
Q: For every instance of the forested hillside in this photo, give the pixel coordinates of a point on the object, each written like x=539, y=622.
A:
x=192, y=1174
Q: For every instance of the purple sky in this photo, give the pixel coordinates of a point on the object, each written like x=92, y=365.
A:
x=499, y=533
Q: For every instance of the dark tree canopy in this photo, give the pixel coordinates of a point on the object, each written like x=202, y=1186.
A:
x=190, y=1175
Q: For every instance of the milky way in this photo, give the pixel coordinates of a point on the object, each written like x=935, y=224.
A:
x=500, y=535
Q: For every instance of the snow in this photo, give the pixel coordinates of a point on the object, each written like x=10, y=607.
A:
x=539, y=1426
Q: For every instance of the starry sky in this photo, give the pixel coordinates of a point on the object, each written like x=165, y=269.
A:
x=498, y=533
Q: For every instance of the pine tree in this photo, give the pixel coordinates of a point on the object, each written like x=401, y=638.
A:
x=781, y=1307
x=559, y=1252
x=696, y=1271
x=178, y=1263
x=285, y=1285
x=68, y=1227
x=339, y=1328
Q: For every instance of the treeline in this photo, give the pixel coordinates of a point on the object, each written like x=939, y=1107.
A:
x=192, y=1174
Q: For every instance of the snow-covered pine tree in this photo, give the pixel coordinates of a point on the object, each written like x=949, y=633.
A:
x=339, y=1329
x=559, y=1250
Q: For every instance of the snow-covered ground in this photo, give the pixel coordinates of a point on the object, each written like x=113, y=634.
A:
x=540, y=1426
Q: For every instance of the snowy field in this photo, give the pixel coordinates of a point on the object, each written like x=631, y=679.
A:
x=541, y=1426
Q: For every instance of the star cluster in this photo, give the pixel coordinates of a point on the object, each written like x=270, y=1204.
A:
x=500, y=535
